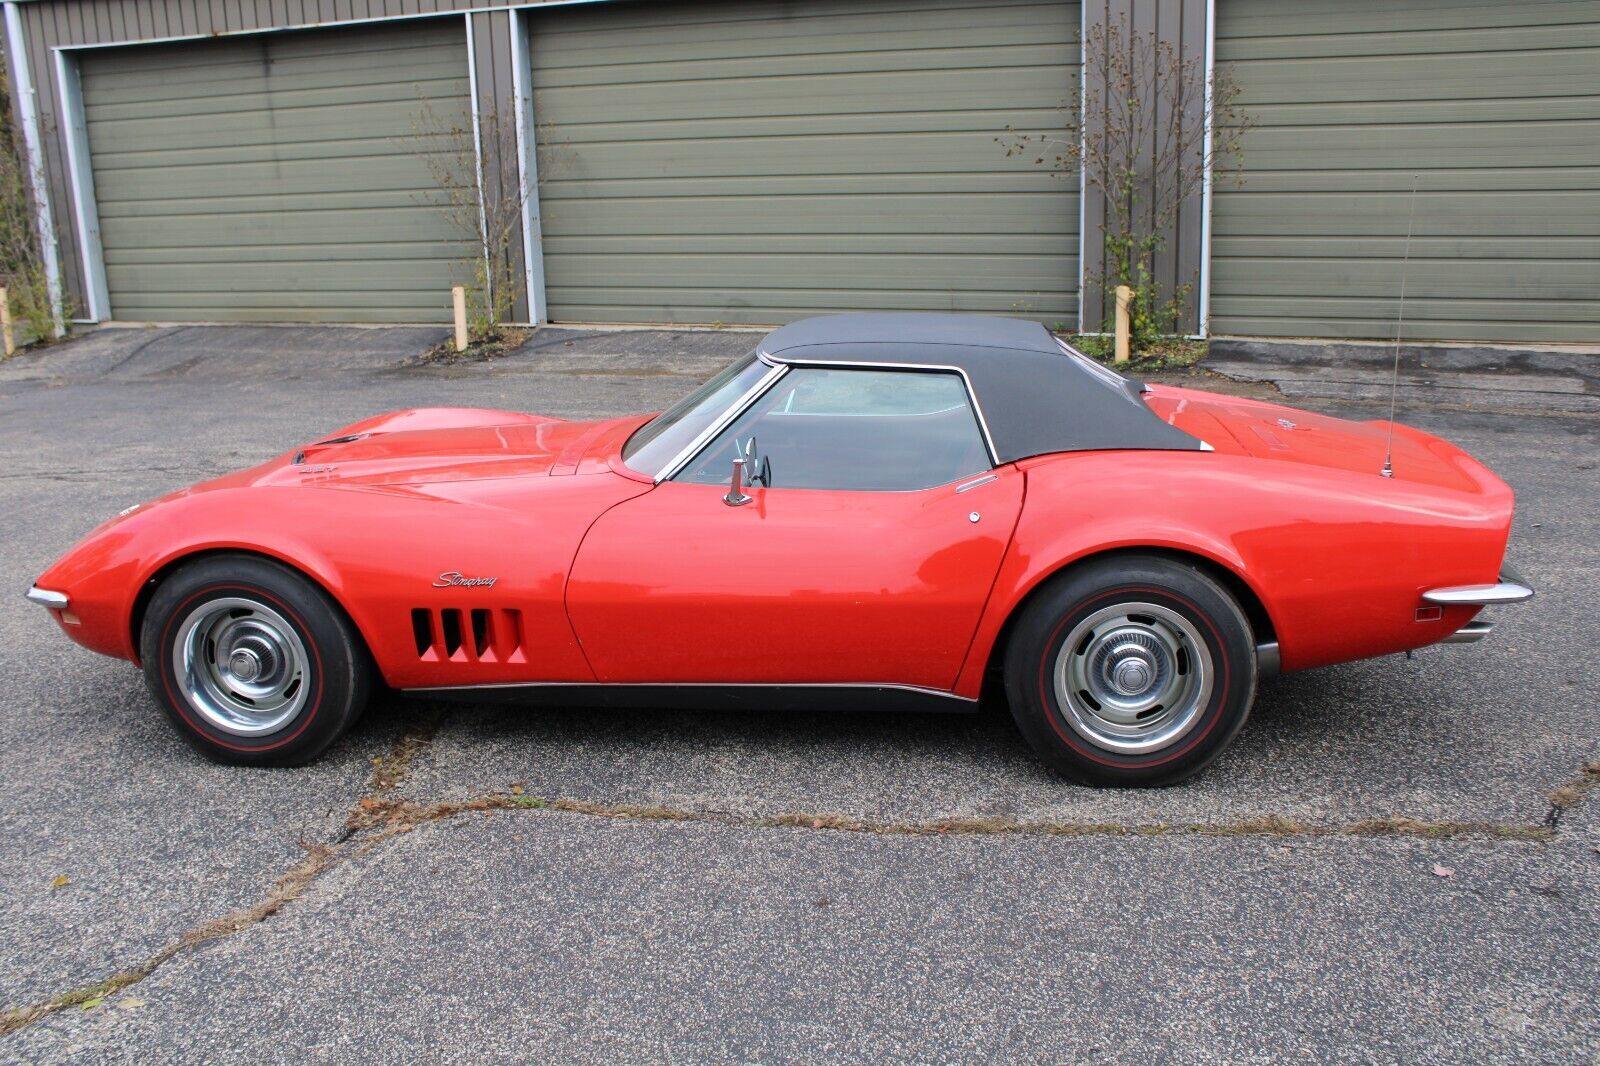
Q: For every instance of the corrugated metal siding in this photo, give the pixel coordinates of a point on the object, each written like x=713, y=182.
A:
x=759, y=162
x=51, y=23
x=278, y=177
x=1493, y=106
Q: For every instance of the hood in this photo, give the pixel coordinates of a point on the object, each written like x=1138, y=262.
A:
x=1288, y=434
x=439, y=444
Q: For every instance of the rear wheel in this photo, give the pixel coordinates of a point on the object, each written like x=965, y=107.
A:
x=1131, y=670
x=252, y=662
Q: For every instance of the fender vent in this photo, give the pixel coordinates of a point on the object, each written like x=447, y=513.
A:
x=479, y=635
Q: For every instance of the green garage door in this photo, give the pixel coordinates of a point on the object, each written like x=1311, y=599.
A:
x=277, y=178
x=757, y=162
x=1493, y=106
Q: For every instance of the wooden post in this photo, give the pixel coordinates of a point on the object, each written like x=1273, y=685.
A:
x=1124, y=298
x=459, y=295
x=5, y=322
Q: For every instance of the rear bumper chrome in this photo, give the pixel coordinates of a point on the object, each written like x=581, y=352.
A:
x=1470, y=633
x=56, y=601
x=1509, y=589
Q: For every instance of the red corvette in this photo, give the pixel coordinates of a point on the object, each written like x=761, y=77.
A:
x=868, y=509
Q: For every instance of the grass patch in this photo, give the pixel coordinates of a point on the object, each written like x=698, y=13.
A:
x=506, y=339
x=1165, y=353
x=391, y=769
x=1400, y=826
x=390, y=817
x=1266, y=826
x=1573, y=793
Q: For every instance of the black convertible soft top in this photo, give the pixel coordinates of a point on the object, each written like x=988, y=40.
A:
x=1035, y=396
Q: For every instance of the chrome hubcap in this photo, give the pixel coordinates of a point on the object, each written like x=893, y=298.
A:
x=1133, y=677
x=245, y=665
x=242, y=666
x=1131, y=673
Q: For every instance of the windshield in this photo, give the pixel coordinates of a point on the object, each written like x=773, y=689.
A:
x=656, y=443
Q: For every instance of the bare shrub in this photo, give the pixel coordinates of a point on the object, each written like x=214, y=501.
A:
x=21, y=265
x=1137, y=132
x=483, y=201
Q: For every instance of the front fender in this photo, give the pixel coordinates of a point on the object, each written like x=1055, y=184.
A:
x=382, y=553
x=105, y=572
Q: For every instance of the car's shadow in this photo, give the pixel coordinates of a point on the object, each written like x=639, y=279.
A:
x=1370, y=739
x=1285, y=707
x=1333, y=744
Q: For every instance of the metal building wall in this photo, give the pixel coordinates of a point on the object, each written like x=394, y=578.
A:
x=1491, y=108
x=496, y=34
x=48, y=24
x=279, y=176
x=754, y=162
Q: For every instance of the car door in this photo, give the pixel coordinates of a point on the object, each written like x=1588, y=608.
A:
x=865, y=551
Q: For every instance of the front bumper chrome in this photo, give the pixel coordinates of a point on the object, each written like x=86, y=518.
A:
x=56, y=601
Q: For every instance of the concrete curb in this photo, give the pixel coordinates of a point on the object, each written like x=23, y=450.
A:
x=1546, y=381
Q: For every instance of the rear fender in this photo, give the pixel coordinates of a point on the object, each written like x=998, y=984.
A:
x=1338, y=560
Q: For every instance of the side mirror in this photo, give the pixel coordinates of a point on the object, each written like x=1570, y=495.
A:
x=736, y=496
x=758, y=468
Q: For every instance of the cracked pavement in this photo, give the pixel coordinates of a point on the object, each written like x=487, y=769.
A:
x=1397, y=861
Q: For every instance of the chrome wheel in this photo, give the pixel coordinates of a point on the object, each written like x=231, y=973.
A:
x=241, y=665
x=1133, y=677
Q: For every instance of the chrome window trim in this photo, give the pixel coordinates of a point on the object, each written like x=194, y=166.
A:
x=1098, y=370
x=55, y=601
x=722, y=421
x=982, y=479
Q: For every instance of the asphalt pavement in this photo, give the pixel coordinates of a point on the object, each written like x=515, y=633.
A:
x=1397, y=861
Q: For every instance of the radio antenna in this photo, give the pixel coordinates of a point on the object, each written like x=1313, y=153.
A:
x=1399, y=322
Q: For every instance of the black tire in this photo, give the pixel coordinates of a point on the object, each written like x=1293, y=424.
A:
x=303, y=673
x=1066, y=701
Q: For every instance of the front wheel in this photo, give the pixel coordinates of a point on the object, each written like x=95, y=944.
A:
x=252, y=662
x=1131, y=670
